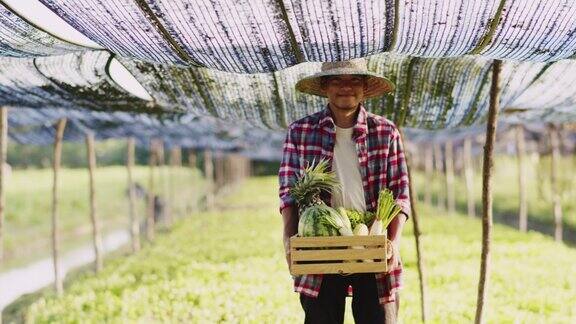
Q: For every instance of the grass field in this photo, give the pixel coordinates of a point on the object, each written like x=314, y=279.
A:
x=29, y=199
x=228, y=266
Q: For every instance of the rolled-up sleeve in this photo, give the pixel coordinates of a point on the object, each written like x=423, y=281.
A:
x=397, y=175
x=289, y=168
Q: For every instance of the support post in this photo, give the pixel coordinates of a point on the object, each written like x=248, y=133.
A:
x=150, y=221
x=469, y=177
x=488, y=165
x=96, y=235
x=134, y=223
x=192, y=159
x=441, y=202
x=58, y=282
x=556, y=197
x=428, y=170
x=520, y=154
x=449, y=162
x=417, y=233
x=175, y=161
x=162, y=171
x=209, y=174
x=3, y=150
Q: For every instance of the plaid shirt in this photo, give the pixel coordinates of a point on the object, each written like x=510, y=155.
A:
x=382, y=164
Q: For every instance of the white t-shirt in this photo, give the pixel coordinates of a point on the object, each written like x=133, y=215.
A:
x=347, y=168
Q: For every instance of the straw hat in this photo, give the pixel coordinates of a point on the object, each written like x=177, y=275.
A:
x=377, y=85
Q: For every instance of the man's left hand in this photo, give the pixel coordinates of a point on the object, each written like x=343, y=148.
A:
x=394, y=258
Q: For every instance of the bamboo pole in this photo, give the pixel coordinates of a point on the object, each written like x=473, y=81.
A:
x=440, y=202
x=3, y=151
x=428, y=165
x=209, y=174
x=192, y=159
x=191, y=205
x=150, y=221
x=556, y=199
x=488, y=165
x=96, y=235
x=162, y=166
x=469, y=176
x=417, y=234
x=449, y=162
x=218, y=171
x=58, y=282
x=520, y=154
x=175, y=157
x=134, y=223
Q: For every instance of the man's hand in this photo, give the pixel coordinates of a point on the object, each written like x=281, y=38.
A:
x=290, y=217
x=287, y=251
x=394, y=258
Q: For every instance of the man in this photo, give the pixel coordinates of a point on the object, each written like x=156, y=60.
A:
x=367, y=155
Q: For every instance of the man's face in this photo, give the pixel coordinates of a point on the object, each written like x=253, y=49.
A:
x=345, y=91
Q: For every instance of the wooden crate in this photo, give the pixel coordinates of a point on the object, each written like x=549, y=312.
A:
x=317, y=255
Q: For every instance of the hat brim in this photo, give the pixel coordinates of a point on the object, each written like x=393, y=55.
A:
x=376, y=85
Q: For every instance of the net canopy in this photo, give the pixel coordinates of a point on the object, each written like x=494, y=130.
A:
x=238, y=60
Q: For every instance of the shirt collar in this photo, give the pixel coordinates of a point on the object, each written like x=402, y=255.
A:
x=360, y=128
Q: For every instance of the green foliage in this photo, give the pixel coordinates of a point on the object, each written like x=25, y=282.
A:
x=200, y=273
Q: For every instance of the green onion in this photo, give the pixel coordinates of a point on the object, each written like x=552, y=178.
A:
x=387, y=207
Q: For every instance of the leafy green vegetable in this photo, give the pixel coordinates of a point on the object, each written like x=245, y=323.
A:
x=355, y=217
x=369, y=218
x=387, y=207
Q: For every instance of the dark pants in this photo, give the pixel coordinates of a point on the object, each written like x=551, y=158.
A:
x=329, y=307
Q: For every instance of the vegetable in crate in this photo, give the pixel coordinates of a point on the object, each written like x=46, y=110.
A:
x=316, y=218
x=355, y=217
x=387, y=210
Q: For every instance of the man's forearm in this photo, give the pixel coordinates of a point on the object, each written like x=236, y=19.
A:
x=290, y=218
x=395, y=228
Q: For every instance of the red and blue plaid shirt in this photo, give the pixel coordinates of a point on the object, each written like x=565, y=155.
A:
x=382, y=165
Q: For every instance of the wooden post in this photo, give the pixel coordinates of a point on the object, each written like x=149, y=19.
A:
x=417, y=233
x=175, y=160
x=488, y=165
x=209, y=173
x=520, y=153
x=449, y=162
x=96, y=235
x=164, y=183
x=441, y=204
x=58, y=282
x=469, y=175
x=150, y=222
x=192, y=159
x=134, y=223
x=3, y=150
x=218, y=171
x=556, y=198
x=428, y=165
x=191, y=201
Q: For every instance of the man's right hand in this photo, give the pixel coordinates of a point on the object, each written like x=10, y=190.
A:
x=290, y=218
x=287, y=251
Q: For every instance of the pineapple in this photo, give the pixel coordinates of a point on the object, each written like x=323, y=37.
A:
x=315, y=180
